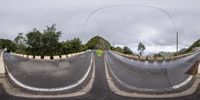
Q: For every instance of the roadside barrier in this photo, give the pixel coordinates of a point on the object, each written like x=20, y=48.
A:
x=151, y=58
x=117, y=82
x=49, y=57
x=79, y=82
x=2, y=69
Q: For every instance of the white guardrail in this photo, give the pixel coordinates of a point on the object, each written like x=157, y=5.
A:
x=48, y=57
x=137, y=57
x=177, y=86
x=49, y=89
x=2, y=69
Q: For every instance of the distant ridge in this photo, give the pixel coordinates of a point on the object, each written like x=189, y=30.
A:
x=98, y=42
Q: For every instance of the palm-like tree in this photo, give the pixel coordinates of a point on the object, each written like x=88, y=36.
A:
x=141, y=48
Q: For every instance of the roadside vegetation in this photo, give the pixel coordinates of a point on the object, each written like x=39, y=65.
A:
x=99, y=52
x=141, y=48
x=6, y=43
x=193, y=47
x=98, y=42
x=124, y=50
x=45, y=43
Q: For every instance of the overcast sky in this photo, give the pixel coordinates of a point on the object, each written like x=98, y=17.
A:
x=121, y=25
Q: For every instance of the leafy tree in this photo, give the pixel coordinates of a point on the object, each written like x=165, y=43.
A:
x=141, y=48
x=76, y=45
x=60, y=47
x=34, y=42
x=50, y=40
x=44, y=43
x=10, y=45
x=72, y=46
x=20, y=39
x=83, y=47
x=20, y=42
x=119, y=49
x=158, y=55
x=127, y=50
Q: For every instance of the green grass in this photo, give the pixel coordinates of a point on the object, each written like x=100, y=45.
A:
x=99, y=52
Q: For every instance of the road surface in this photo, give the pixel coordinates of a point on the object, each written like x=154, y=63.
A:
x=48, y=74
x=100, y=90
x=150, y=76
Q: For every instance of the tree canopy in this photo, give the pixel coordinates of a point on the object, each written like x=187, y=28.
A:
x=6, y=43
x=141, y=48
x=34, y=42
x=44, y=43
x=20, y=42
x=72, y=46
x=127, y=50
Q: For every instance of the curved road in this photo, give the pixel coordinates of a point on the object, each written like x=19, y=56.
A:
x=150, y=76
x=100, y=90
x=48, y=74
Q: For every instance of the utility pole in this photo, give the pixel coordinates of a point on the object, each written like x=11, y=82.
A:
x=177, y=42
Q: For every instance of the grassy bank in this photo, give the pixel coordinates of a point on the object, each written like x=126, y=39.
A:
x=99, y=52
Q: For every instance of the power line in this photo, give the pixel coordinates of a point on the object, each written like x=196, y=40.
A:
x=137, y=5
x=112, y=6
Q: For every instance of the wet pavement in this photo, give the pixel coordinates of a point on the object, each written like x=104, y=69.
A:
x=48, y=74
x=150, y=75
x=100, y=90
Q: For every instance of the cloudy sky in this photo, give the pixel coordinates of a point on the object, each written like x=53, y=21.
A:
x=121, y=25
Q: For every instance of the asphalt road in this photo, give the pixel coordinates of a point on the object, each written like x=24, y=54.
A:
x=100, y=90
x=48, y=74
x=145, y=75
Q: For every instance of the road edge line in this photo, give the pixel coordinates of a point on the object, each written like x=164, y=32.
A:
x=83, y=91
x=117, y=91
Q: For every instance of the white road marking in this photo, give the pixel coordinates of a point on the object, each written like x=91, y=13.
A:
x=117, y=91
x=50, y=89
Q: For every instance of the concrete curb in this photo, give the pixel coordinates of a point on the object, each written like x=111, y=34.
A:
x=117, y=91
x=177, y=86
x=2, y=69
x=48, y=57
x=145, y=58
x=83, y=91
x=183, y=83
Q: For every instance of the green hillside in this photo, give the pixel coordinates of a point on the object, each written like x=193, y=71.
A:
x=98, y=42
x=193, y=46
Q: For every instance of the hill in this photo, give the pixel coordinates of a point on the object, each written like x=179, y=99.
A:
x=195, y=45
x=98, y=42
